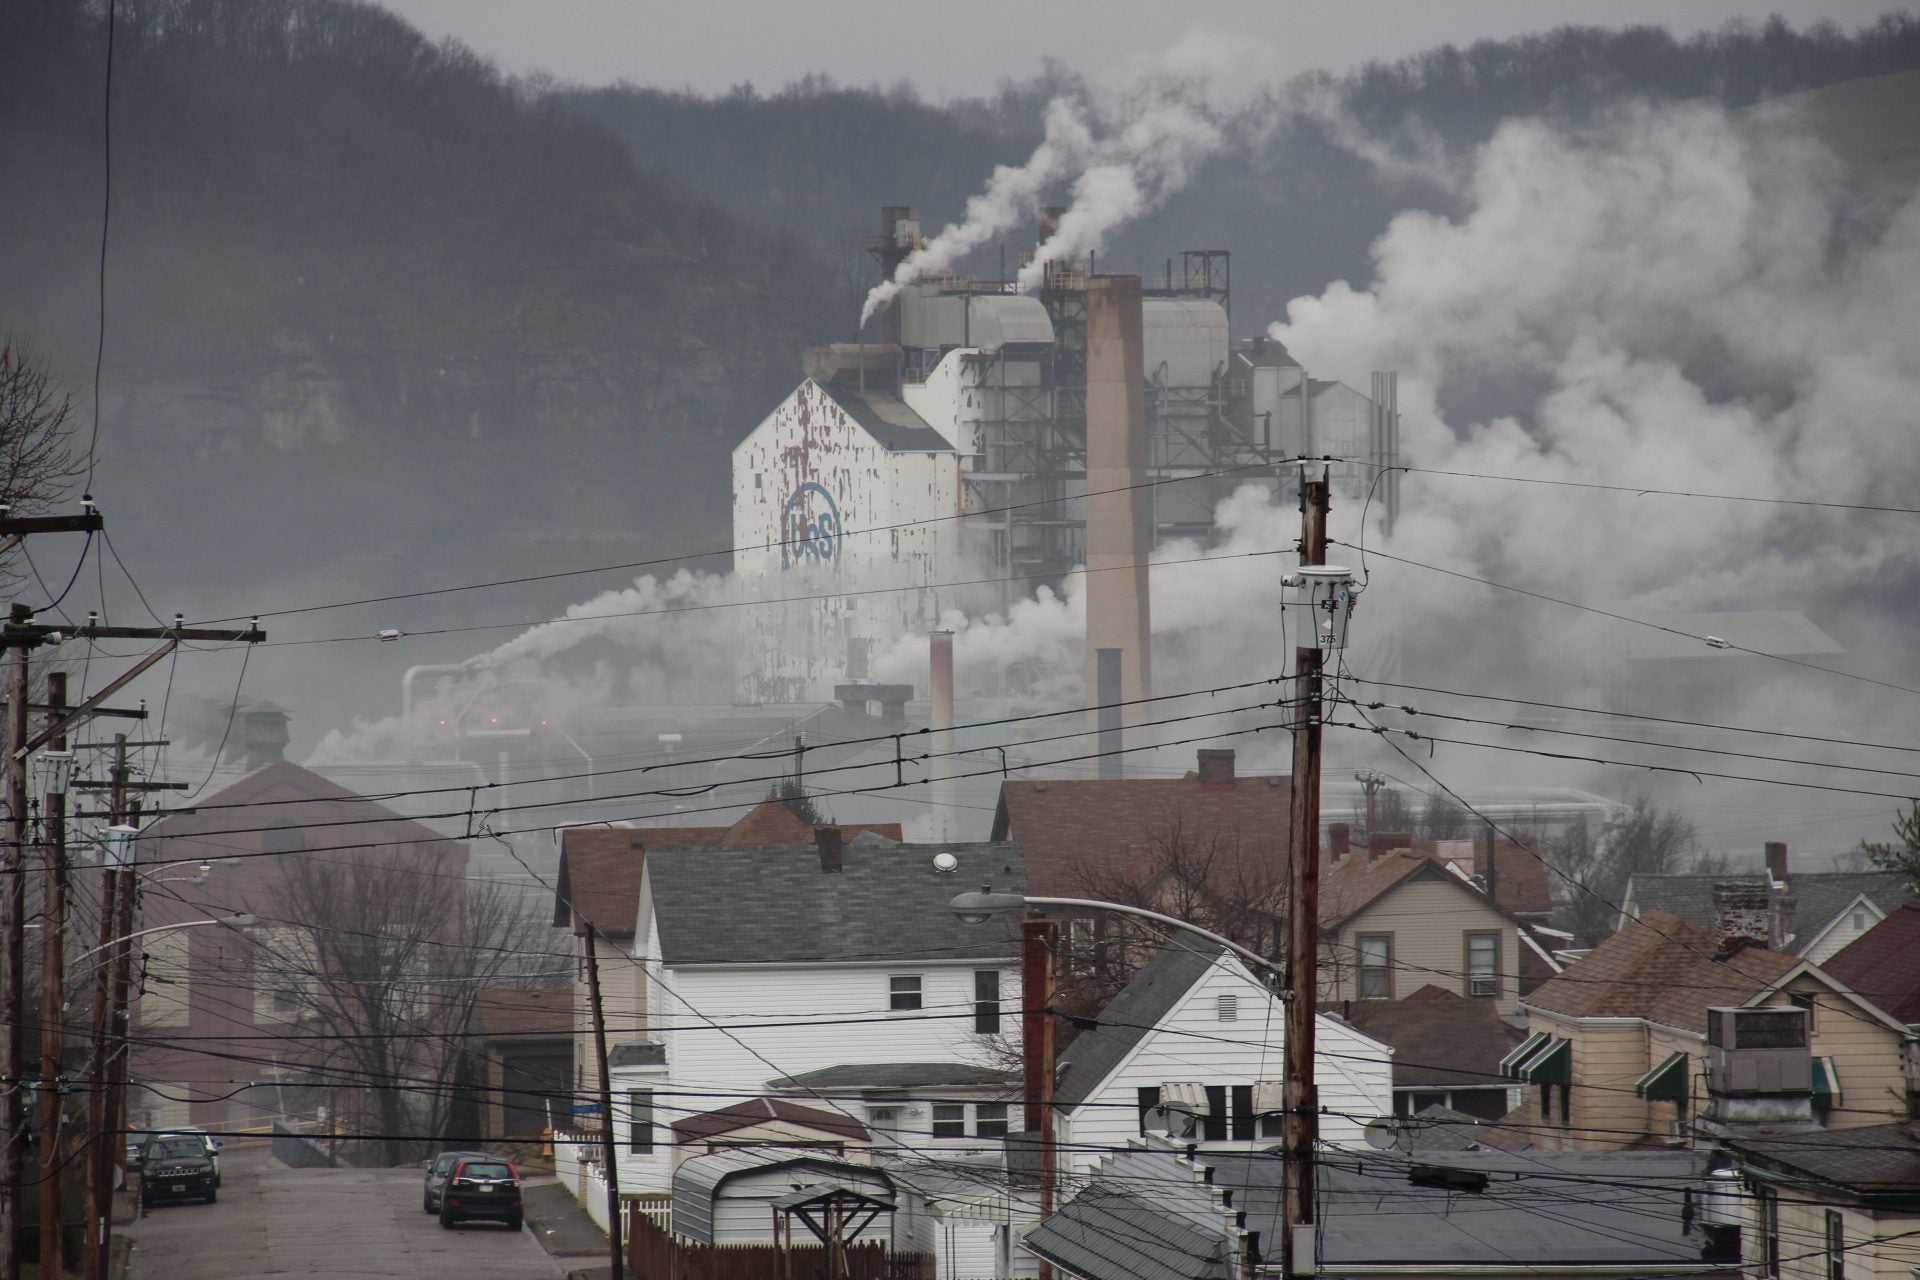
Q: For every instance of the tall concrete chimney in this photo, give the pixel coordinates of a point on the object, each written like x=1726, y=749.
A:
x=940, y=720
x=1119, y=617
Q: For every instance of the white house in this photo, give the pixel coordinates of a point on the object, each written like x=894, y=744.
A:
x=833, y=976
x=1195, y=1030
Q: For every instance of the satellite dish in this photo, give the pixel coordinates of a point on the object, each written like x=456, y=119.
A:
x=1382, y=1134
x=945, y=863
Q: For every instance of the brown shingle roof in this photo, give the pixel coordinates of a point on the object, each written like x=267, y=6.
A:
x=505, y=1013
x=1883, y=964
x=741, y=1115
x=1070, y=827
x=1662, y=968
x=1440, y=1039
x=1354, y=883
x=600, y=866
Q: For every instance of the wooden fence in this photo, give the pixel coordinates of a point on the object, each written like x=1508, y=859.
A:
x=652, y=1254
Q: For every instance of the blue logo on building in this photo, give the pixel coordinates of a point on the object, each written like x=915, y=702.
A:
x=809, y=527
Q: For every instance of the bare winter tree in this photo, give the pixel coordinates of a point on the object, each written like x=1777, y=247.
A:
x=37, y=464
x=386, y=958
x=1592, y=868
x=1442, y=818
x=1234, y=887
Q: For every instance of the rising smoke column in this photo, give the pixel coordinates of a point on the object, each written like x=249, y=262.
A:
x=1115, y=180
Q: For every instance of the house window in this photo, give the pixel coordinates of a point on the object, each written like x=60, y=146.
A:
x=949, y=1120
x=1376, y=966
x=990, y=1120
x=1084, y=940
x=1803, y=1000
x=1242, y=1112
x=1483, y=964
x=1769, y=1230
x=1836, y=1246
x=986, y=1001
x=1226, y=1007
x=1214, y=1126
x=640, y=1121
x=903, y=991
x=1149, y=1098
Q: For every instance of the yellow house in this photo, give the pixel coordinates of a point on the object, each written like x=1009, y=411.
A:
x=1832, y=1206
x=1396, y=920
x=1618, y=1044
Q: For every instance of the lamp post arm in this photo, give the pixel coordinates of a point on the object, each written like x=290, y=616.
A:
x=232, y=922
x=1090, y=904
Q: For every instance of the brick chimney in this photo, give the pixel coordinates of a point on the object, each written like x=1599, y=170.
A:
x=1379, y=846
x=1741, y=911
x=829, y=841
x=1216, y=770
x=1339, y=841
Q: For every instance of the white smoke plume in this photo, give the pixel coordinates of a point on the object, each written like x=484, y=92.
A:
x=1012, y=196
x=1115, y=180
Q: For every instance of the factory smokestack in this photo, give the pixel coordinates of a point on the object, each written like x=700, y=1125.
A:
x=940, y=720
x=1119, y=617
x=899, y=236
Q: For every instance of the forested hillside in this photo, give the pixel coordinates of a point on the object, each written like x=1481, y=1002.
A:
x=1298, y=210
x=391, y=318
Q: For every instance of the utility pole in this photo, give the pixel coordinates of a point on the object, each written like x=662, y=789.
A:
x=13, y=1095
x=1302, y=1102
x=106, y=1148
x=1039, y=940
x=608, y=1146
x=53, y=994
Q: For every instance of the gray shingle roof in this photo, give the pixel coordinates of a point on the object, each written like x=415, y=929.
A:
x=1629, y=1212
x=897, y=1075
x=1129, y=1016
x=1879, y=1160
x=775, y=904
x=1818, y=896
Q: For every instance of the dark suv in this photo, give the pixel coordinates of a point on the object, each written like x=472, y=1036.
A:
x=481, y=1187
x=439, y=1169
x=177, y=1167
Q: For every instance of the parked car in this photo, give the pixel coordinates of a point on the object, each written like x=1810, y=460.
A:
x=213, y=1145
x=439, y=1169
x=481, y=1187
x=177, y=1166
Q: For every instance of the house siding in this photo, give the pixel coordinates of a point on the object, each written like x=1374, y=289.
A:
x=1803, y=1233
x=1865, y=1053
x=1602, y=1112
x=1841, y=932
x=1429, y=920
x=1354, y=1074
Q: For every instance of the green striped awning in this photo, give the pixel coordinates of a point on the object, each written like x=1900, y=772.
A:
x=1666, y=1082
x=1510, y=1065
x=1547, y=1060
x=1826, y=1085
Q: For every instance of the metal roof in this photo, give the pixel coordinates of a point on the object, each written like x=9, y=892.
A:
x=889, y=420
x=700, y=1181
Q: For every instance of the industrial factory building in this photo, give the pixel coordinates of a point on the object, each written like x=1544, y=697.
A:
x=976, y=400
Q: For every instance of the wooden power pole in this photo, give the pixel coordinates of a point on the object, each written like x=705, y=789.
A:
x=1039, y=942
x=53, y=999
x=13, y=1110
x=1302, y=1102
x=609, y=1147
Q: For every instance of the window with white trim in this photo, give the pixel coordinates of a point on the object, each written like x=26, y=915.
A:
x=1483, y=964
x=949, y=1119
x=903, y=992
x=1376, y=966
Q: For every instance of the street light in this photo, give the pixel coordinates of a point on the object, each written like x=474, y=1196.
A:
x=240, y=921
x=978, y=908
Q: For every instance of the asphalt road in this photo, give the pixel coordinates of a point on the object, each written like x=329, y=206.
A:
x=346, y=1223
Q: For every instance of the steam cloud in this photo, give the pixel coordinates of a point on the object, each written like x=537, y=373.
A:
x=1115, y=180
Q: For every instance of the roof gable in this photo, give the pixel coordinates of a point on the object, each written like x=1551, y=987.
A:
x=1662, y=968
x=1130, y=1017
x=1884, y=963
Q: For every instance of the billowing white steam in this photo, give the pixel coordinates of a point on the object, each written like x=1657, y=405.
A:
x=1115, y=180
x=1011, y=197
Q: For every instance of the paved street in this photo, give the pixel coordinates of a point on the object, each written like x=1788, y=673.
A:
x=274, y=1221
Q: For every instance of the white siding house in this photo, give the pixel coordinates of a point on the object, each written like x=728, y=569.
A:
x=1195, y=1022
x=842, y=983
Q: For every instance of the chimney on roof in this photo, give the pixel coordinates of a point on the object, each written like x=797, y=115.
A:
x=1339, y=841
x=263, y=733
x=1486, y=863
x=1740, y=909
x=1777, y=861
x=830, y=843
x=1378, y=846
x=1216, y=768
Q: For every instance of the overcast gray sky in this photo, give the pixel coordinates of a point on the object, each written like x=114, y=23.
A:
x=962, y=49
